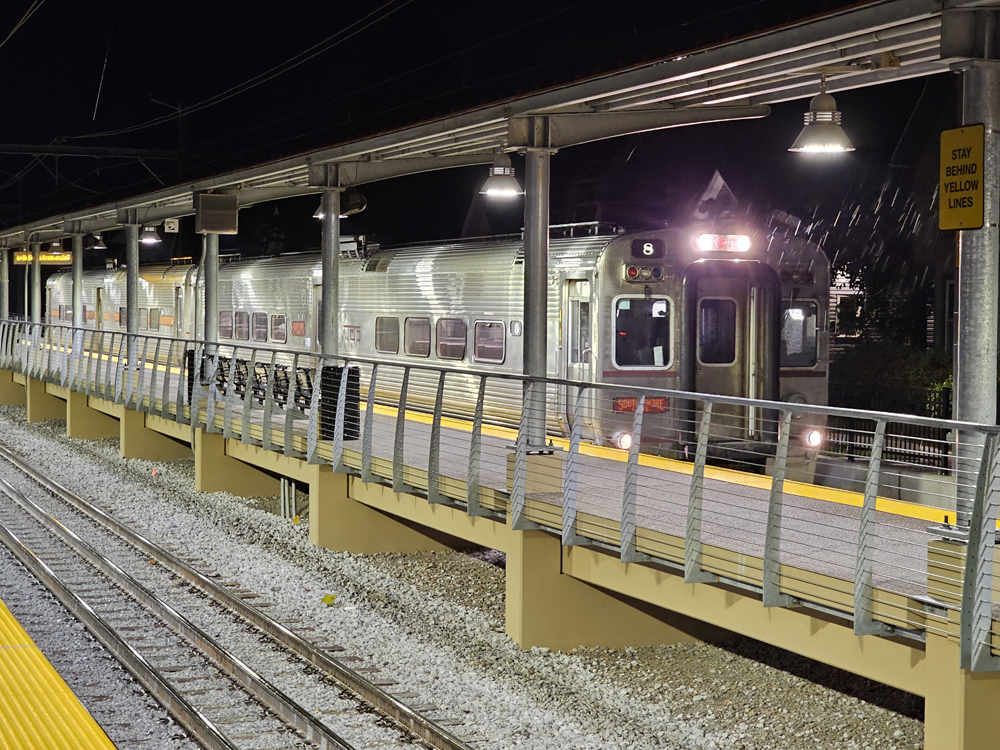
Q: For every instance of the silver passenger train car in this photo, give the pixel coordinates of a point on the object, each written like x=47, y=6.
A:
x=694, y=309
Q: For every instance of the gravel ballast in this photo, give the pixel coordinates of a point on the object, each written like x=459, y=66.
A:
x=434, y=623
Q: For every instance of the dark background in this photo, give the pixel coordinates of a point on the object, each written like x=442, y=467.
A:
x=396, y=62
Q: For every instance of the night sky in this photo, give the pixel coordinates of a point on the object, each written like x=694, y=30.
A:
x=382, y=65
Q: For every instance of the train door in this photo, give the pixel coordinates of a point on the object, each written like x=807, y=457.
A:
x=99, y=309
x=577, y=335
x=732, y=317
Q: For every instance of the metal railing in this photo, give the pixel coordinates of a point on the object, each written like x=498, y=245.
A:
x=717, y=488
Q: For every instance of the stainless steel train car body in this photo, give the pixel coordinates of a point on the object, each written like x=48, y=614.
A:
x=603, y=324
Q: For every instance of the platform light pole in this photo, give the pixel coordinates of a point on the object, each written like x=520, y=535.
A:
x=211, y=246
x=4, y=283
x=78, y=321
x=132, y=290
x=36, y=283
x=978, y=283
x=331, y=271
x=536, y=272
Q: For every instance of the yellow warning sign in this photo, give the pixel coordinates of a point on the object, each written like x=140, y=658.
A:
x=961, y=186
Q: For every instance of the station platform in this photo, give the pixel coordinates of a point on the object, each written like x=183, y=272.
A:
x=37, y=709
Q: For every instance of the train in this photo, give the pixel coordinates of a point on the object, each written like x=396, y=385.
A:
x=722, y=308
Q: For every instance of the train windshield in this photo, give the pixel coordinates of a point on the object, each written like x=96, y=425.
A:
x=642, y=332
x=799, y=325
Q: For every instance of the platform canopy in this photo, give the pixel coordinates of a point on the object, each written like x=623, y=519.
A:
x=862, y=46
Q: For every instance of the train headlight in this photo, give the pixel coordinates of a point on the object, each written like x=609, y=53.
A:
x=729, y=243
x=622, y=439
x=814, y=438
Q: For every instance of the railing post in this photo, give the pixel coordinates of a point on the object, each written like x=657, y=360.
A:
x=518, y=496
x=338, y=423
x=94, y=363
x=312, y=436
x=265, y=426
x=231, y=396
x=473, y=480
x=864, y=608
x=154, y=371
x=291, y=411
x=108, y=385
x=213, y=394
x=398, y=485
x=977, y=587
x=366, y=438
x=246, y=421
x=165, y=396
x=569, y=535
x=182, y=378
x=693, y=572
x=772, y=537
x=629, y=553
x=434, y=450
x=120, y=371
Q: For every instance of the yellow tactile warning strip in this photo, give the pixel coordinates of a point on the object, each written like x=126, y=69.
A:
x=38, y=711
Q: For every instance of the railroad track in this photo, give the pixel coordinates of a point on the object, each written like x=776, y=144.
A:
x=229, y=672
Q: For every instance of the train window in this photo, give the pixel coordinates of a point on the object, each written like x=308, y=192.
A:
x=243, y=326
x=717, y=331
x=154, y=319
x=260, y=326
x=489, y=341
x=68, y=315
x=387, y=335
x=85, y=317
x=642, y=332
x=143, y=319
x=451, y=338
x=62, y=313
x=122, y=316
x=278, y=332
x=225, y=325
x=798, y=334
x=417, y=337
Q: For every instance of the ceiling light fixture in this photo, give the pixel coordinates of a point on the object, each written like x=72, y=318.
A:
x=501, y=183
x=149, y=236
x=822, y=133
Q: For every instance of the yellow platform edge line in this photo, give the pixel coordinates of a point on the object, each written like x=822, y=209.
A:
x=730, y=476
x=37, y=708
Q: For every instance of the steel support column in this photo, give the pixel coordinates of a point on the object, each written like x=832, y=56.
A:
x=4, y=284
x=331, y=272
x=976, y=371
x=78, y=320
x=536, y=271
x=36, y=283
x=211, y=241
x=132, y=289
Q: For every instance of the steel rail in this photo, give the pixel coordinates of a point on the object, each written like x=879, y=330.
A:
x=388, y=704
x=287, y=710
x=189, y=717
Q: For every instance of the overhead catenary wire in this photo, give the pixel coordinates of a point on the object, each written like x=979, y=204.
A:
x=291, y=63
x=32, y=9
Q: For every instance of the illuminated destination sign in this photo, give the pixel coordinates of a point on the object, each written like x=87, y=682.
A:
x=653, y=405
x=45, y=258
x=961, y=185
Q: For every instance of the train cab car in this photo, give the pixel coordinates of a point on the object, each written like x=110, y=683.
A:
x=735, y=311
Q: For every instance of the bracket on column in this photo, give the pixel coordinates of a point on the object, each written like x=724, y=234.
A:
x=326, y=175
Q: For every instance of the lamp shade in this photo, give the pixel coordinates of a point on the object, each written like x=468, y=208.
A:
x=501, y=183
x=149, y=236
x=822, y=132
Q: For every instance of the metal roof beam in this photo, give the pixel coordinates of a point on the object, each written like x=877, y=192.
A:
x=361, y=172
x=575, y=129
